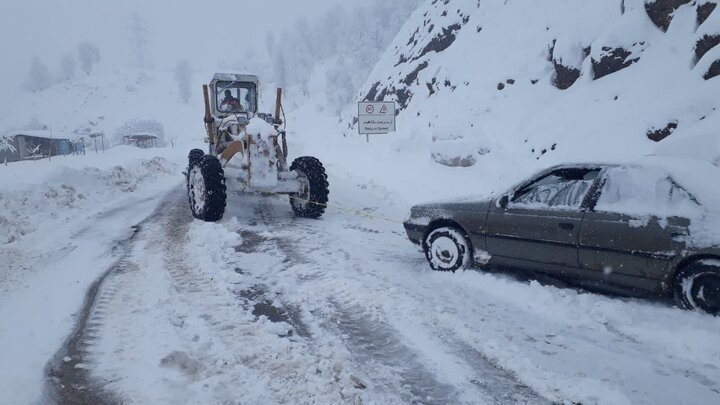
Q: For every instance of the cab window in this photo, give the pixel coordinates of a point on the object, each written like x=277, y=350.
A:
x=235, y=97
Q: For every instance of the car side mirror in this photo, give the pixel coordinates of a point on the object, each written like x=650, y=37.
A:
x=504, y=201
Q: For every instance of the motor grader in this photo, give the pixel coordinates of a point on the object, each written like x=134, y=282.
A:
x=247, y=151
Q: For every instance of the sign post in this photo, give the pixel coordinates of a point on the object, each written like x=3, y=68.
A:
x=376, y=118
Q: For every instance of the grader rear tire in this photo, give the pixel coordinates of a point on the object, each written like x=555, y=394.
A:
x=312, y=201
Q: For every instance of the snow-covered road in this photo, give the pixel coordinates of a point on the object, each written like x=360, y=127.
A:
x=266, y=308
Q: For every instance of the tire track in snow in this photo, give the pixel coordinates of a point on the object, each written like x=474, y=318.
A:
x=223, y=338
x=388, y=367
x=258, y=294
x=484, y=380
x=387, y=364
x=373, y=343
x=68, y=379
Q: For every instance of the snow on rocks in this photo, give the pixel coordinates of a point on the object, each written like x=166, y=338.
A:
x=661, y=11
x=707, y=51
x=567, y=58
x=704, y=10
x=529, y=119
x=455, y=151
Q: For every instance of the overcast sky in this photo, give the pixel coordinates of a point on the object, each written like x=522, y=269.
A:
x=204, y=31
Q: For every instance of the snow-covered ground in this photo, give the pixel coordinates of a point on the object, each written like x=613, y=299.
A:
x=110, y=292
x=60, y=221
x=266, y=308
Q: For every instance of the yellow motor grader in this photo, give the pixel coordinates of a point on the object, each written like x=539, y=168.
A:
x=248, y=152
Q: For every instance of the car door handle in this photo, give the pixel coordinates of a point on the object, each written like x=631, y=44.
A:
x=567, y=226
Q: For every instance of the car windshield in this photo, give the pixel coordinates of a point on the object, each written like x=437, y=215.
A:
x=235, y=97
x=645, y=191
x=561, y=189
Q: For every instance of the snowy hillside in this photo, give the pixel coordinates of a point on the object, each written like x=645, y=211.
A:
x=105, y=102
x=550, y=81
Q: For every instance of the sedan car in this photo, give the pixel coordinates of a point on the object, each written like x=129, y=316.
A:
x=638, y=228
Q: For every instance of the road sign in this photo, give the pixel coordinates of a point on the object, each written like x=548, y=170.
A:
x=376, y=117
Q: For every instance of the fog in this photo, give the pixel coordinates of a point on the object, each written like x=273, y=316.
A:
x=209, y=32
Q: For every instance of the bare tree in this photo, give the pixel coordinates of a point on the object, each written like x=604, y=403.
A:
x=140, y=57
x=6, y=146
x=67, y=67
x=6, y=143
x=89, y=55
x=183, y=77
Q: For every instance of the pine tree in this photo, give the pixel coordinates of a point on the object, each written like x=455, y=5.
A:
x=140, y=57
x=67, y=67
x=39, y=77
x=89, y=55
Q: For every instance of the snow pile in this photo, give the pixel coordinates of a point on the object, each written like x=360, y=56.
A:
x=260, y=129
x=41, y=197
x=61, y=225
x=539, y=82
x=69, y=191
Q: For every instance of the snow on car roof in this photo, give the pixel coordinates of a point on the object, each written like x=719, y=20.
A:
x=699, y=177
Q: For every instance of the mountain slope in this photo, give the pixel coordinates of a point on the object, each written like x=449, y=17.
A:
x=553, y=80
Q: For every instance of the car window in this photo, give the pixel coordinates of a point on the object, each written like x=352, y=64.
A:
x=645, y=191
x=561, y=189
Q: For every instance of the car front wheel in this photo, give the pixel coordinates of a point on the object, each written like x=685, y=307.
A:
x=697, y=286
x=447, y=249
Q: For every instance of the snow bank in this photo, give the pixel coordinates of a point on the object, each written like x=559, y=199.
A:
x=61, y=221
x=39, y=193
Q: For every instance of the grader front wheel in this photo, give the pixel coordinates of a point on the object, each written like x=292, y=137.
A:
x=206, y=188
x=312, y=200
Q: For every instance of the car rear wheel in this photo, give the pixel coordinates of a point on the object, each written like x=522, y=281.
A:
x=697, y=287
x=447, y=249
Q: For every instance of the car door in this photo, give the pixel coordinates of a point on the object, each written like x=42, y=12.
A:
x=540, y=224
x=636, y=226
